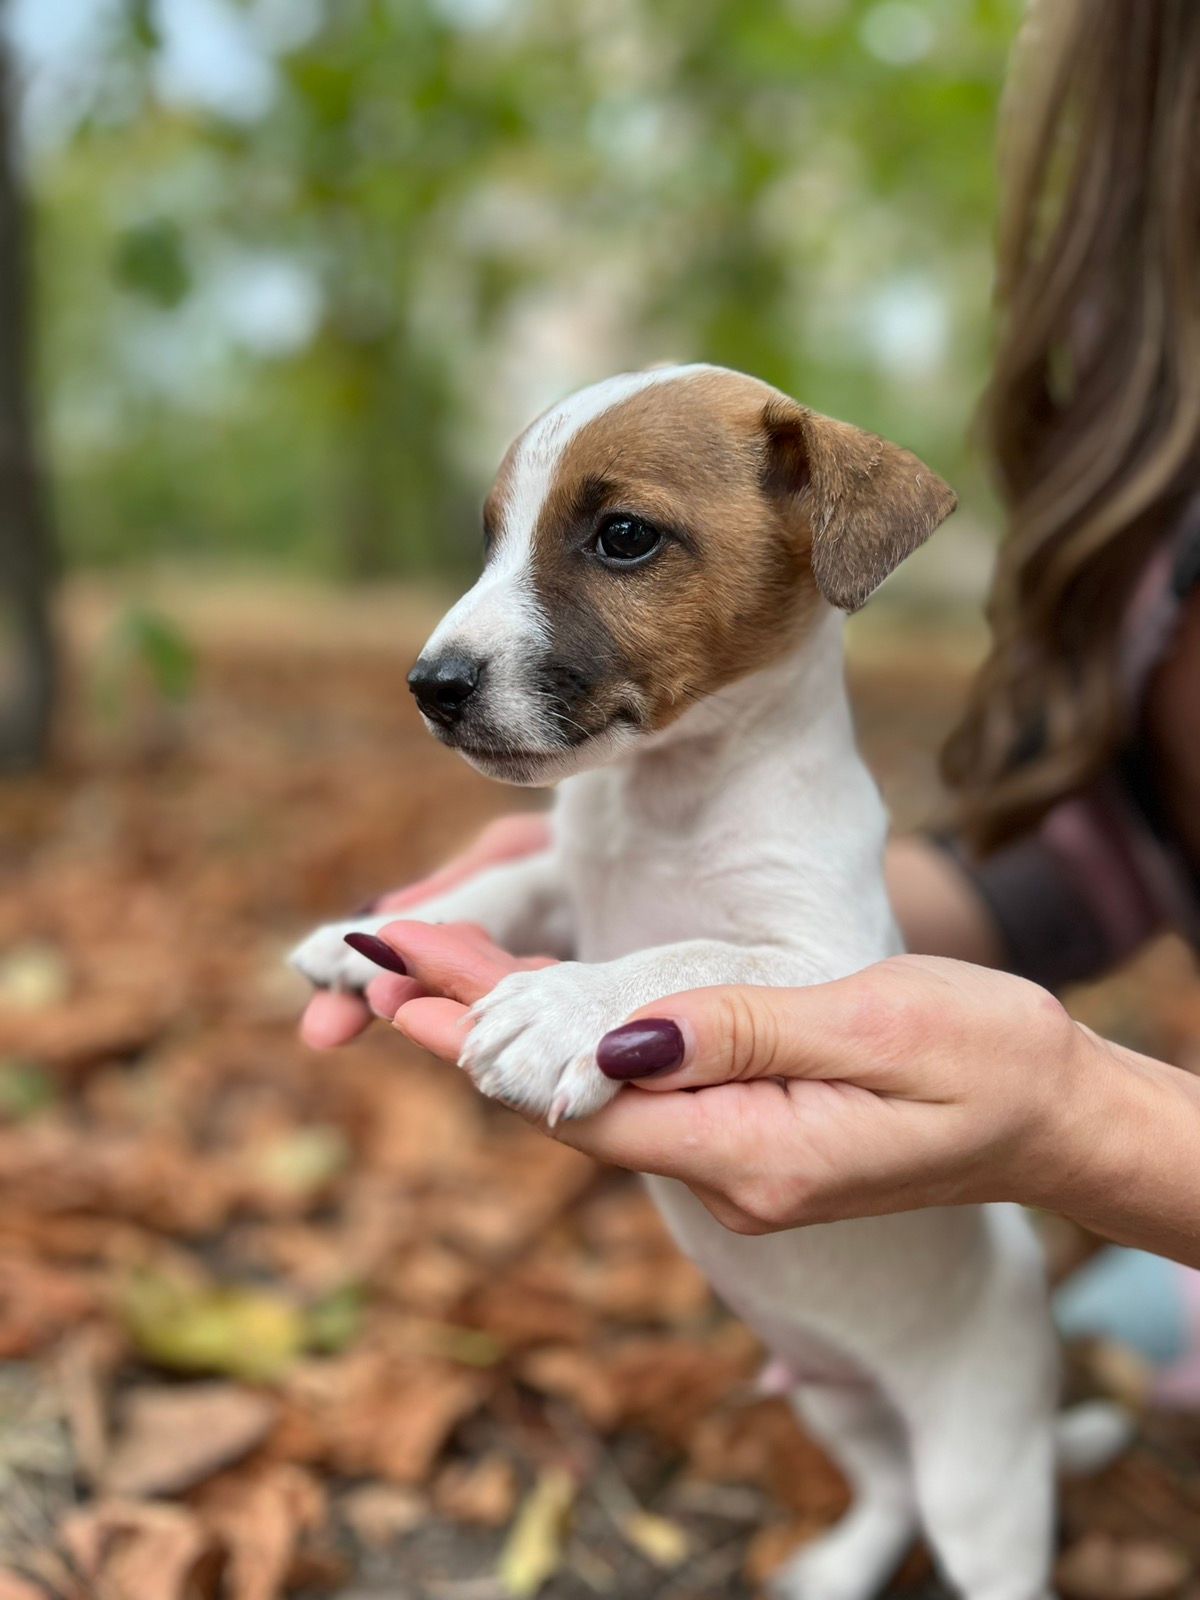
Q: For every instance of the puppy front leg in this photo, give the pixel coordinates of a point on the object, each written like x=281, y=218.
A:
x=523, y=905
x=533, y=1043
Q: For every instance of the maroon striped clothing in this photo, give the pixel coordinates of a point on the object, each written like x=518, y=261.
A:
x=1103, y=873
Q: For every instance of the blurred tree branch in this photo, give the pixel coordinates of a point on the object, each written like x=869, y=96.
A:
x=27, y=554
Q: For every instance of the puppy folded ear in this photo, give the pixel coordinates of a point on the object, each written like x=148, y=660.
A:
x=869, y=503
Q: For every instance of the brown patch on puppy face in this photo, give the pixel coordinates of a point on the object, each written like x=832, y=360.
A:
x=762, y=507
x=729, y=584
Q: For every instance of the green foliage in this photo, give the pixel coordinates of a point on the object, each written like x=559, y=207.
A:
x=144, y=672
x=150, y=641
x=26, y=1090
x=492, y=204
x=150, y=260
x=335, y=1322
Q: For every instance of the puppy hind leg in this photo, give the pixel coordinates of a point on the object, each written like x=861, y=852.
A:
x=983, y=1455
x=855, y=1558
x=991, y=1531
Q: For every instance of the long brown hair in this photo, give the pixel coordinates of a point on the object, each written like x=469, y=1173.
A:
x=1092, y=417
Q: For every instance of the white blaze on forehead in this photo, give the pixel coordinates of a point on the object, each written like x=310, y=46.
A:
x=540, y=448
x=501, y=618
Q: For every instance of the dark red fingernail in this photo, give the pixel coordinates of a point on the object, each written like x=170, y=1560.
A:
x=374, y=948
x=641, y=1049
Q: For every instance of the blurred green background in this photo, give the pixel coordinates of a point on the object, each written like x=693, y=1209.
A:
x=302, y=266
x=298, y=269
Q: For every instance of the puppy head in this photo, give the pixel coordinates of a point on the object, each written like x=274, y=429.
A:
x=648, y=542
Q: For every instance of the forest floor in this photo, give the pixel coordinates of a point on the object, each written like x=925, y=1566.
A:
x=278, y=1323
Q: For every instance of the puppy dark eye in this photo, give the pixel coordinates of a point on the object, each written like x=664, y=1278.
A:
x=624, y=540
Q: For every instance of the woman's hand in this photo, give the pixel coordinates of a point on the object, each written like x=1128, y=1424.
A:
x=331, y=1019
x=919, y=1081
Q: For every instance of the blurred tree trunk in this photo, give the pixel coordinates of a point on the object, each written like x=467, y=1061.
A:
x=27, y=564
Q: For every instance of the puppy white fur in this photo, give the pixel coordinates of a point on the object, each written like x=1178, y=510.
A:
x=715, y=824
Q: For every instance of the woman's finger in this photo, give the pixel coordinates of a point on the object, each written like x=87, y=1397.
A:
x=437, y=1025
x=448, y=961
x=736, y=1032
x=387, y=993
x=699, y=1138
x=331, y=1019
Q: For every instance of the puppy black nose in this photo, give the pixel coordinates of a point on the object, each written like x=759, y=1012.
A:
x=443, y=686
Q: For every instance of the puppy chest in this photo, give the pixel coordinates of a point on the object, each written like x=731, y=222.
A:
x=638, y=881
x=637, y=902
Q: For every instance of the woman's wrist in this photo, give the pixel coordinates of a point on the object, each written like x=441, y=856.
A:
x=1121, y=1159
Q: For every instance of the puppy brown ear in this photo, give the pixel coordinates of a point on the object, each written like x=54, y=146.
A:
x=869, y=503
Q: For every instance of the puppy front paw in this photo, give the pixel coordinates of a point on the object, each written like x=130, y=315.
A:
x=533, y=1041
x=328, y=962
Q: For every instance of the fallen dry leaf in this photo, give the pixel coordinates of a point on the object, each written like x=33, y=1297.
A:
x=33, y=978
x=431, y=1279
x=170, y=1439
x=482, y=1492
x=577, y=1375
x=135, y=1551
x=671, y=1385
x=380, y=1513
x=658, y=1538
x=761, y=1444
x=84, y=1369
x=195, y=1327
x=300, y=1164
x=14, y=1587
x=38, y=1303
x=262, y=1515
x=384, y=1417
x=1099, y=1567
x=533, y=1550
x=93, y=1029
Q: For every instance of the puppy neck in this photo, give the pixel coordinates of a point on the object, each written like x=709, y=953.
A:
x=781, y=737
x=775, y=710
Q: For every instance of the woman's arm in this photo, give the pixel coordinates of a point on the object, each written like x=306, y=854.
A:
x=1130, y=1169
x=939, y=910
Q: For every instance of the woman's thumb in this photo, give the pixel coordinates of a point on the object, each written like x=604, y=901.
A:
x=719, y=1035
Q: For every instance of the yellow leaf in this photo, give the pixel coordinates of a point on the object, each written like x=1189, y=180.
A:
x=659, y=1540
x=246, y=1333
x=533, y=1550
x=470, y=1347
x=305, y=1160
x=33, y=978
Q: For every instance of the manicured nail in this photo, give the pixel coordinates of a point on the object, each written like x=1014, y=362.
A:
x=641, y=1049
x=367, y=944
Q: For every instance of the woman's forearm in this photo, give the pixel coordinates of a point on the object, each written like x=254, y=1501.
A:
x=939, y=911
x=1123, y=1161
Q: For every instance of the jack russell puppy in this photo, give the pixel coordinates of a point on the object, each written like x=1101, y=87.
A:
x=658, y=630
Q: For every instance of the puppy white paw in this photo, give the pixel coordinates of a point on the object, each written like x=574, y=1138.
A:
x=328, y=962
x=534, y=1037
